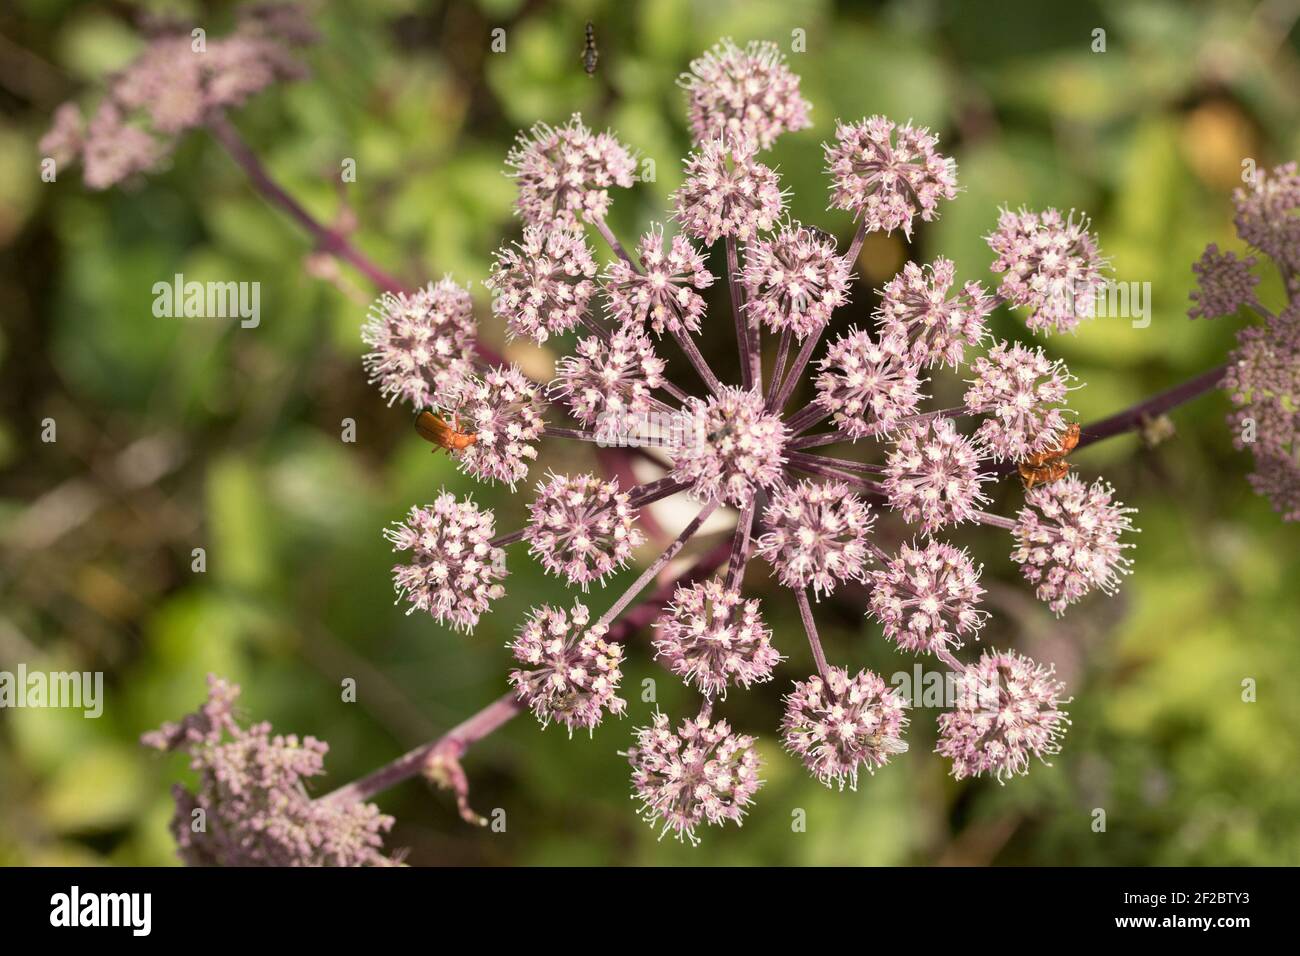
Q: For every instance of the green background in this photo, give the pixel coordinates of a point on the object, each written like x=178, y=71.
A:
x=176, y=434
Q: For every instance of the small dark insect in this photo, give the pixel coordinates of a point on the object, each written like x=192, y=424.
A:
x=589, y=52
x=1049, y=466
x=448, y=437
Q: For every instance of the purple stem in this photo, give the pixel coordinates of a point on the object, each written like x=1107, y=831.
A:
x=810, y=626
x=801, y=360
x=750, y=358
x=612, y=241
x=701, y=366
x=740, y=546
x=782, y=356
x=855, y=246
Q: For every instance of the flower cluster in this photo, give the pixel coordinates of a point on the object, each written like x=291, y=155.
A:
x=1052, y=264
x=1068, y=540
x=571, y=673
x=727, y=192
x=455, y=571
x=811, y=516
x=740, y=451
x=794, y=281
x=179, y=82
x=663, y=292
x=887, y=175
x=582, y=528
x=927, y=598
x=1021, y=390
x=1008, y=709
x=543, y=285
x=609, y=377
x=699, y=773
x=253, y=799
x=915, y=308
x=867, y=385
x=421, y=345
x=817, y=536
x=1262, y=379
x=564, y=174
x=735, y=92
x=839, y=725
x=713, y=638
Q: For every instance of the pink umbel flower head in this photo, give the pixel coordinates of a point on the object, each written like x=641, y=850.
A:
x=701, y=772
x=712, y=638
x=737, y=447
x=421, y=344
x=174, y=86
x=543, y=285
x=454, y=571
x=1021, y=390
x=727, y=192
x=611, y=376
x=503, y=409
x=1268, y=214
x=867, y=386
x=252, y=792
x=1052, y=264
x=735, y=92
x=915, y=308
x=927, y=598
x=794, y=280
x=564, y=174
x=933, y=476
x=663, y=295
x=1068, y=540
x=840, y=725
x=581, y=528
x=571, y=673
x=888, y=174
x=1008, y=709
x=1263, y=383
x=1224, y=283
x=817, y=536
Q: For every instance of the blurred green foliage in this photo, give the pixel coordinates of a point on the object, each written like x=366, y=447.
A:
x=177, y=434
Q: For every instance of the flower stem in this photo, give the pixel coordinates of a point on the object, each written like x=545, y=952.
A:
x=611, y=240
x=701, y=366
x=778, y=369
x=801, y=360
x=1133, y=417
x=855, y=246
x=810, y=626
x=740, y=546
x=327, y=240
x=750, y=358
x=649, y=573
